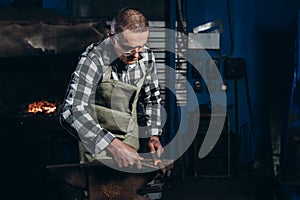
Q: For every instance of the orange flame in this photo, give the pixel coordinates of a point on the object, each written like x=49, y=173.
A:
x=41, y=106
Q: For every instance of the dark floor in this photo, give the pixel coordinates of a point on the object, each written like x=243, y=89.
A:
x=216, y=188
x=189, y=188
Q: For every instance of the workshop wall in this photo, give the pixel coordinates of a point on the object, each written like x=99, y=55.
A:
x=264, y=34
x=261, y=32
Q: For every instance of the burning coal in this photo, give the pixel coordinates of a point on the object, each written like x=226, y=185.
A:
x=42, y=107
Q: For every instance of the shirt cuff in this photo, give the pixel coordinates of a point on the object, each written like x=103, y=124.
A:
x=104, y=141
x=155, y=131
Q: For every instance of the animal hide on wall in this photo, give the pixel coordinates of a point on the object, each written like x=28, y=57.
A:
x=38, y=38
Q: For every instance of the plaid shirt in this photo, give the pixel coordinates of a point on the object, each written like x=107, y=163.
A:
x=89, y=72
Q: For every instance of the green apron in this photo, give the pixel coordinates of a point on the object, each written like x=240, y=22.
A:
x=115, y=107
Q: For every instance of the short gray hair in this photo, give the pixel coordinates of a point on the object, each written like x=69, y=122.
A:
x=129, y=19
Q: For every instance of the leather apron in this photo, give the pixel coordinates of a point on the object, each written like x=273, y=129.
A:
x=115, y=107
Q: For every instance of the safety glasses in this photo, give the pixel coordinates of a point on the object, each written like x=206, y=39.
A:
x=130, y=51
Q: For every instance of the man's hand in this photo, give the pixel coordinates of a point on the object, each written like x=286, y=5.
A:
x=123, y=154
x=155, y=145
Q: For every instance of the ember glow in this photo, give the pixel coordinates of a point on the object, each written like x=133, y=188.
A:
x=42, y=107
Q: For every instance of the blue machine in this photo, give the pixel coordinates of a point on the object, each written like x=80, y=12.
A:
x=290, y=151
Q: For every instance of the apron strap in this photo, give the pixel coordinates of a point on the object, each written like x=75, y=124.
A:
x=107, y=73
x=140, y=83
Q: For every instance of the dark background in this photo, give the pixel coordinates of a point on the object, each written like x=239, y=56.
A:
x=263, y=33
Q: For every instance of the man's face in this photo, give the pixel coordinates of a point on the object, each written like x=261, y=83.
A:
x=129, y=45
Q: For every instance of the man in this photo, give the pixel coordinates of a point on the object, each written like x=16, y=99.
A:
x=111, y=78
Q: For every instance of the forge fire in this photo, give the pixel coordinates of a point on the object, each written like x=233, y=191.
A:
x=42, y=107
